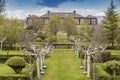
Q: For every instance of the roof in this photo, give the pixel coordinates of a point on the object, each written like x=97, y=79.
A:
x=32, y=16
x=90, y=16
x=61, y=14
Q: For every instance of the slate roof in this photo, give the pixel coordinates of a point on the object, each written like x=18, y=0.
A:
x=32, y=16
x=90, y=16
x=62, y=14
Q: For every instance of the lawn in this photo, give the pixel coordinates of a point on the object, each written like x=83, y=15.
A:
x=7, y=71
x=63, y=65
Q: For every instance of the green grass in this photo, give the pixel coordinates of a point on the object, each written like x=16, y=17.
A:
x=12, y=52
x=7, y=71
x=63, y=65
x=115, y=52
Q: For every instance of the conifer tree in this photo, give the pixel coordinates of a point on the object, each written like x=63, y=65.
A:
x=111, y=23
x=2, y=5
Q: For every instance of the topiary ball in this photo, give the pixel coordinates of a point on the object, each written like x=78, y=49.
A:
x=16, y=63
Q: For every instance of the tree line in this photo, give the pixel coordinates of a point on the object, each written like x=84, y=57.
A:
x=14, y=32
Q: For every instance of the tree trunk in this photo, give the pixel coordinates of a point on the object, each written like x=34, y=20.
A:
x=85, y=65
x=1, y=45
x=77, y=53
x=112, y=39
x=31, y=72
x=41, y=63
x=68, y=37
x=20, y=46
x=81, y=63
x=88, y=65
x=38, y=67
x=112, y=44
x=94, y=70
x=1, y=41
x=31, y=77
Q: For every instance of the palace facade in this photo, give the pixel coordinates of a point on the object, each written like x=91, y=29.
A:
x=92, y=20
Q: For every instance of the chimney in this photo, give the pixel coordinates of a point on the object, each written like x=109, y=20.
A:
x=48, y=13
x=74, y=13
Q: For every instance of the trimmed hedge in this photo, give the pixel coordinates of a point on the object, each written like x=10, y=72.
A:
x=112, y=67
x=62, y=46
x=105, y=56
x=16, y=63
x=4, y=58
x=14, y=78
x=108, y=78
x=115, y=57
x=12, y=48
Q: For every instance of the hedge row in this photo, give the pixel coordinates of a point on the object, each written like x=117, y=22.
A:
x=110, y=47
x=115, y=57
x=19, y=77
x=12, y=48
x=14, y=78
x=4, y=58
x=106, y=56
x=108, y=78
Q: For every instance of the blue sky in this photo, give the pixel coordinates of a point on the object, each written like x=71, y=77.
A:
x=22, y=8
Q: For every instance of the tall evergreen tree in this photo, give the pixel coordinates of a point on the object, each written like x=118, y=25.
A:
x=110, y=23
x=2, y=5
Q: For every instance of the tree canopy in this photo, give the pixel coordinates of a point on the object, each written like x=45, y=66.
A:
x=69, y=25
x=53, y=24
x=111, y=23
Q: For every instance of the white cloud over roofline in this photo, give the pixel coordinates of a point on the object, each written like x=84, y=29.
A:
x=22, y=14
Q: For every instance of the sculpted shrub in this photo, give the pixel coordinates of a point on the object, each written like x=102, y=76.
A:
x=16, y=63
x=112, y=67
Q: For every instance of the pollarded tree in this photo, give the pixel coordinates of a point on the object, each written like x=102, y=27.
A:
x=84, y=38
x=111, y=23
x=98, y=35
x=69, y=25
x=92, y=44
x=24, y=37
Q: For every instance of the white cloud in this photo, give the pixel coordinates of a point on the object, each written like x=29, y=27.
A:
x=93, y=12
x=15, y=14
x=22, y=14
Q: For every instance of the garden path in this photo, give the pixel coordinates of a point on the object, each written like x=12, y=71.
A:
x=63, y=65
